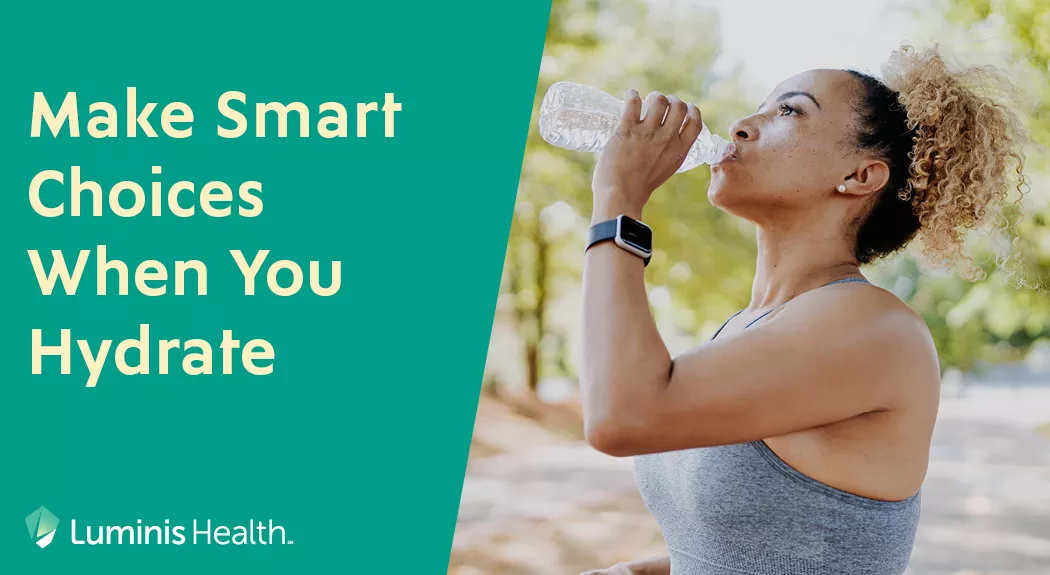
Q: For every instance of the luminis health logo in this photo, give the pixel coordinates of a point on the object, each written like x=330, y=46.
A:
x=42, y=524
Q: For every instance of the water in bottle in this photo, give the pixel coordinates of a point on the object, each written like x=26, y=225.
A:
x=582, y=118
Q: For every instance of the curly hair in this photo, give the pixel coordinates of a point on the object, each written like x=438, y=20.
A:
x=950, y=140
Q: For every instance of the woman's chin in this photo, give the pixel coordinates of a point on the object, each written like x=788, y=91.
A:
x=718, y=194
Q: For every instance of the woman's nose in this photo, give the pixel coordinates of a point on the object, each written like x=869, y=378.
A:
x=743, y=130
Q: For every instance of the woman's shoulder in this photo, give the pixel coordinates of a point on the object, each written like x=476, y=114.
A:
x=876, y=325
x=893, y=340
x=864, y=306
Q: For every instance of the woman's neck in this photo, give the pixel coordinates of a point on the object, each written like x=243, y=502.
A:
x=795, y=260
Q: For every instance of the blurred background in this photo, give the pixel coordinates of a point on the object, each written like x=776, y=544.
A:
x=538, y=500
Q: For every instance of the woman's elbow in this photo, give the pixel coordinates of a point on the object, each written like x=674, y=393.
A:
x=614, y=422
x=609, y=436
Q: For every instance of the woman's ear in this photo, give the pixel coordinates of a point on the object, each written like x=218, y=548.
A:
x=870, y=177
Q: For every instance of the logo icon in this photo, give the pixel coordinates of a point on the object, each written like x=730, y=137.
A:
x=42, y=524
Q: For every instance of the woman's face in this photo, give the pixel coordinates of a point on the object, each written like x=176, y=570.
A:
x=793, y=152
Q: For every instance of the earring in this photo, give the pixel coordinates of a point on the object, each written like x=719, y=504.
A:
x=841, y=188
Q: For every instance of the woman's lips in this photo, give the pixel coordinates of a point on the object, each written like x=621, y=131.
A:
x=732, y=153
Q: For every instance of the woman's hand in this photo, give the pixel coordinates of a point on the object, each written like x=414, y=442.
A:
x=618, y=569
x=648, y=566
x=643, y=153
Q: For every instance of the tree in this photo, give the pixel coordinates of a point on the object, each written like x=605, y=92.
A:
x=996, y=319
x=704, y=259
x=616, y=45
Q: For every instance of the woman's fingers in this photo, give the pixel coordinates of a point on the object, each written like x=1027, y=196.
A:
x=676, y=113
x=656, y=109
x=632, y=110
x=661, y=113
x=693, y=125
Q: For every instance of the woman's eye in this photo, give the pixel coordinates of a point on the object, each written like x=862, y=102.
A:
x=786, y=110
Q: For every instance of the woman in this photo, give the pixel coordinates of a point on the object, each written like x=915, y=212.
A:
x=796, y=441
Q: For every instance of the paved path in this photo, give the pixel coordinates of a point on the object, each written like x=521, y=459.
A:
x=986, y=501
x=503, y=492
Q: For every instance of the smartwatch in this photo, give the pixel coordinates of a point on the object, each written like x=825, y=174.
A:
x=627, y=233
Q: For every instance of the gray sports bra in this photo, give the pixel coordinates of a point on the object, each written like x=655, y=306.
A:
x=740, y=509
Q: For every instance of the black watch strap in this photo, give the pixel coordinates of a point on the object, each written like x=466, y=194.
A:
x=603, y=232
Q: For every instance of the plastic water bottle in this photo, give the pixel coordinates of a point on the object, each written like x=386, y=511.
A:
x=583, y=118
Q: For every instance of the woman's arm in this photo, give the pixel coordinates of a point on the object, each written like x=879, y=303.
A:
x=824, y=358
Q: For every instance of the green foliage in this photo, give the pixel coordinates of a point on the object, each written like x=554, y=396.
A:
x=704, y=260
x=1027, y=24
x=703, y=257
x=998, y=318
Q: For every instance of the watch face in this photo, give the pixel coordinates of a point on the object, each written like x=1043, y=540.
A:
x=636, y=234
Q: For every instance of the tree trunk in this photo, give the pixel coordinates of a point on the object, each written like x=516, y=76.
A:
x=533, y=351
